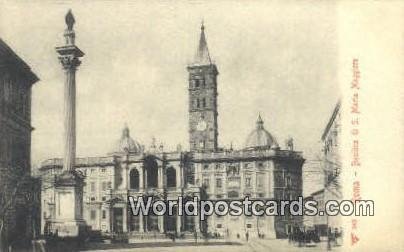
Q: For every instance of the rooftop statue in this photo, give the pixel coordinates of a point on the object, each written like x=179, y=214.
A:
x=69, y=20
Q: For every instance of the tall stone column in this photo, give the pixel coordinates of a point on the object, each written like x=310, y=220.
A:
x=160, y=175
x=178, y=223
x=125, y=220
x=141, y=225
x=69, y=185
x=141, y=179
x=197, y=226
x=69, y=58
x=145, y=178
x=161, y=223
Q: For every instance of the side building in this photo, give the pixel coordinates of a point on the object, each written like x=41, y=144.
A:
x=331, y=168
x=16, y=80
x=332, y=164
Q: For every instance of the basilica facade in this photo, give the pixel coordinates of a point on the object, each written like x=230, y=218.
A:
x=260, y=170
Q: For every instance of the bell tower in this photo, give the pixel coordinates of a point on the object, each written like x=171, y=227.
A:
x=202, y=90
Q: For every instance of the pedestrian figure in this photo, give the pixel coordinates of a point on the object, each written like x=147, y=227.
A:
x=246, y=236
x=195, y=236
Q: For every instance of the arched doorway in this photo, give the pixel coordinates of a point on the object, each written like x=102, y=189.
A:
x=171, y=177
x=134, y=179
x=189, y=220
x=151, y=168
x=152, y=222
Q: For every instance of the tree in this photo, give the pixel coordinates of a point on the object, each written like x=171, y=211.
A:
x=17, y=187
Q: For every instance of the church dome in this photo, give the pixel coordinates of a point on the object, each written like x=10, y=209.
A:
x=127, y=144
x=260, y=137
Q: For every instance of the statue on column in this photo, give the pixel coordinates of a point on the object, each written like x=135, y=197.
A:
x=69, y=20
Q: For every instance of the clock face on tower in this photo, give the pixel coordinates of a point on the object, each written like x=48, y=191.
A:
x=201, y=126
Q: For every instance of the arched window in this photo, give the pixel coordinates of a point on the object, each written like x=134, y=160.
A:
x=134, y=179
x=171, y=177
x=151, y=167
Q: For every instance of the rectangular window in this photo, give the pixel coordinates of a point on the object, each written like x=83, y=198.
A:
x=203, y=102
x=219, y=225
x=109, y=185
x=93, y=214
x=103, y=170
x=249, y=226
x=219, y=183
x=206, y=182
x=197, y=103
x=92, y=186
x=206, y=166
x=248, y=182
x=260, y=179
x=196, y=83
x=104, y=214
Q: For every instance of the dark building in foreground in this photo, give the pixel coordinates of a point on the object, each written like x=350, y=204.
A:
x=260, y=170
x=16, y=203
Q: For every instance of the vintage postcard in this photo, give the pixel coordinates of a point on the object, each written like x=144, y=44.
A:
x=201, y=125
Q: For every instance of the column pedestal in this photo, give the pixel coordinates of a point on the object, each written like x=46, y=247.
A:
x=69, y=209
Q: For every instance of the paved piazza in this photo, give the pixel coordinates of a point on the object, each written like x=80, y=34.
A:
x=254, y=246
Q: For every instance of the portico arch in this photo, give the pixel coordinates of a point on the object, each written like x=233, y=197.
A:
x=134, y=179
x=151, y=168
x=171, y=177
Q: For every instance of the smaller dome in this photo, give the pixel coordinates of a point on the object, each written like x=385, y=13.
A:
x=127, y=144
x=260, y=137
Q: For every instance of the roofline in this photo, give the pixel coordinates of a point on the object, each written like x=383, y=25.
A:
x=333, y=116
x=22, y=65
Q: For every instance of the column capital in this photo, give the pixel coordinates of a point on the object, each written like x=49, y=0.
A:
x=69, y=62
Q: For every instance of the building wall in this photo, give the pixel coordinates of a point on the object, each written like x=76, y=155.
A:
x=16, y=80
x=226, y=176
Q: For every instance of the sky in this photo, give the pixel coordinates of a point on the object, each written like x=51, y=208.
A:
x=274, y=58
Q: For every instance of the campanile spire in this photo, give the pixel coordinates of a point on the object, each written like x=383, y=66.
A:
x=202, y=56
